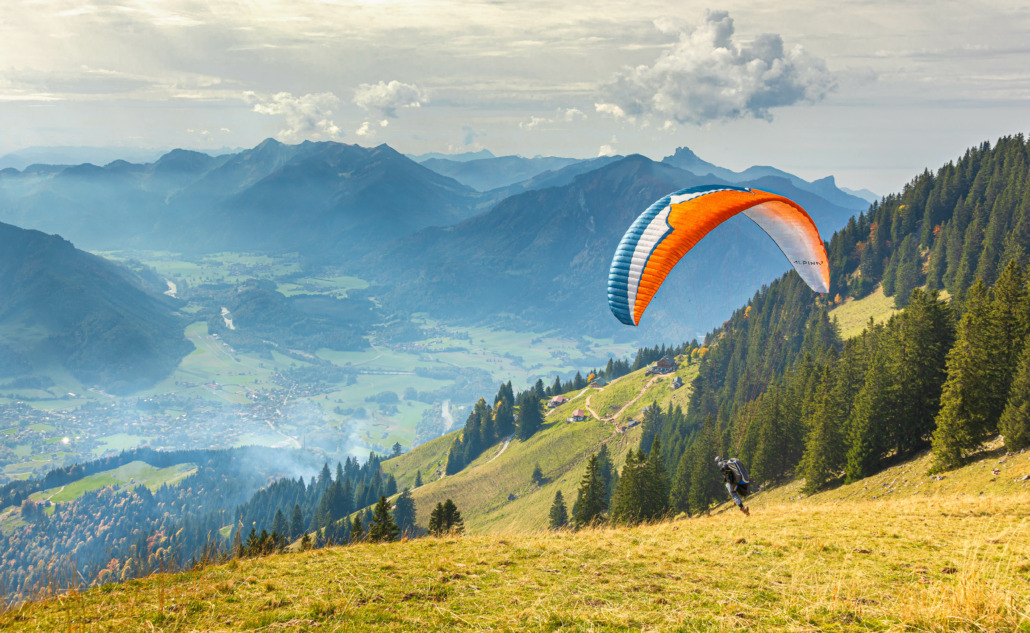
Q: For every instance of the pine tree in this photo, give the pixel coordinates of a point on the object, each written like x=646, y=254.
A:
x=279, y=525
x=530, y=417
x=504, y=418
x=919, y=340
x=591, y=503
x=704, y=476
x=452, y=520
x=607, y=471
x=655, y=503
x=965, y=401
x=626, y=506
x=679, y=497
x=418, y=478
x=538, y=475
x=436, y=520
x=559, y=515
x=357, y=530
x=296, y=522
x=1015, y=420
x=383, y=528
x=404, y=513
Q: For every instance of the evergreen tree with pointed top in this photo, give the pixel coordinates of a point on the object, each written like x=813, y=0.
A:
x=591, y=502
x=383, y=529
x=452, y=520
x=404, y=513
x=538, y=475
x=627, y=503
x=606, y=468
x=656, y=485
x=418, y=478
x=436, y=521
x=530, y=417
x=296, y=522
x=679, y=495
x=963, y=420
x=1015, y=420
x=705, y=483
x=504, y=418
x=357, y=530
x=559, y=515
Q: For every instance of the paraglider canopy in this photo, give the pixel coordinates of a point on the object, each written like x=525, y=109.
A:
x=670, y=227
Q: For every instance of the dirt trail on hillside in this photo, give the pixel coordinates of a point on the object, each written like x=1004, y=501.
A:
x=506, y=442
x=615, y=415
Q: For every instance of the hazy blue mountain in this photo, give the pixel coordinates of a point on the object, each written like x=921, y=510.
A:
x=542, y=257
x=62, y=306
x=555, y=178
x=485, y=174
x=825, y=188
x=319, y=198
x=322, y=198
x=687, y=160
x=459, y=157
x=865, y=194
x=22, y=158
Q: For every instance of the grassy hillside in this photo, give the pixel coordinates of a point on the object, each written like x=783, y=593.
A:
x=495, y=492
x=956, y=563
x=132, y=474
x=853, y=315
x=902, y=550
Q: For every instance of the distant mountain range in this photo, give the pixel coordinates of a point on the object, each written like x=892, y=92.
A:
x=317, y=198
x=75, y=155
x=97, y=320
x=484, y=174
x=541, y=257
x=534, y=246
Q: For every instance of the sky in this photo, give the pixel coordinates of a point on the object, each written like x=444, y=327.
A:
x=870, y=91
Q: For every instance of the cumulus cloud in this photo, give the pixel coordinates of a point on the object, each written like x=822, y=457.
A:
x=306, y=116
x=387, y=98
x=707, y=77
x=469, y=135
x=368, y=131
x=566, y=115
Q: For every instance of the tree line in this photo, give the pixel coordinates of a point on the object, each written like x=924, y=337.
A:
x=781, y=389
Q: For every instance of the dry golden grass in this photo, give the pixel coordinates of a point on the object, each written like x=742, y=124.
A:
x=939, y=564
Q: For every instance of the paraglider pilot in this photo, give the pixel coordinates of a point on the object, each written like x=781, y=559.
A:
x=737, y=480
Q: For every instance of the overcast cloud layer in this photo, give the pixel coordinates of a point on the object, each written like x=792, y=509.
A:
x=871, y=90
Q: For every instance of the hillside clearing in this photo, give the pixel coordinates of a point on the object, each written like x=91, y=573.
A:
x=853, y=316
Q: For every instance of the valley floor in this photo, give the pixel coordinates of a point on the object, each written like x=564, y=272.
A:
x=941, y=563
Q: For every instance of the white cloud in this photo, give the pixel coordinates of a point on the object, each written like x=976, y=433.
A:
x=387, y=98
x=567, y=115
x=707, y=77
x=307, y=117
x=365, y=130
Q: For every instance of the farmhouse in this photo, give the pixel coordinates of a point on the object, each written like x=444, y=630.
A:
x=664, y=365
x=578, y=415
x=557, y=401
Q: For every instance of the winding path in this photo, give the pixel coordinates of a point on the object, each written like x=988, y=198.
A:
x=506, y=442
x=615, y=415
